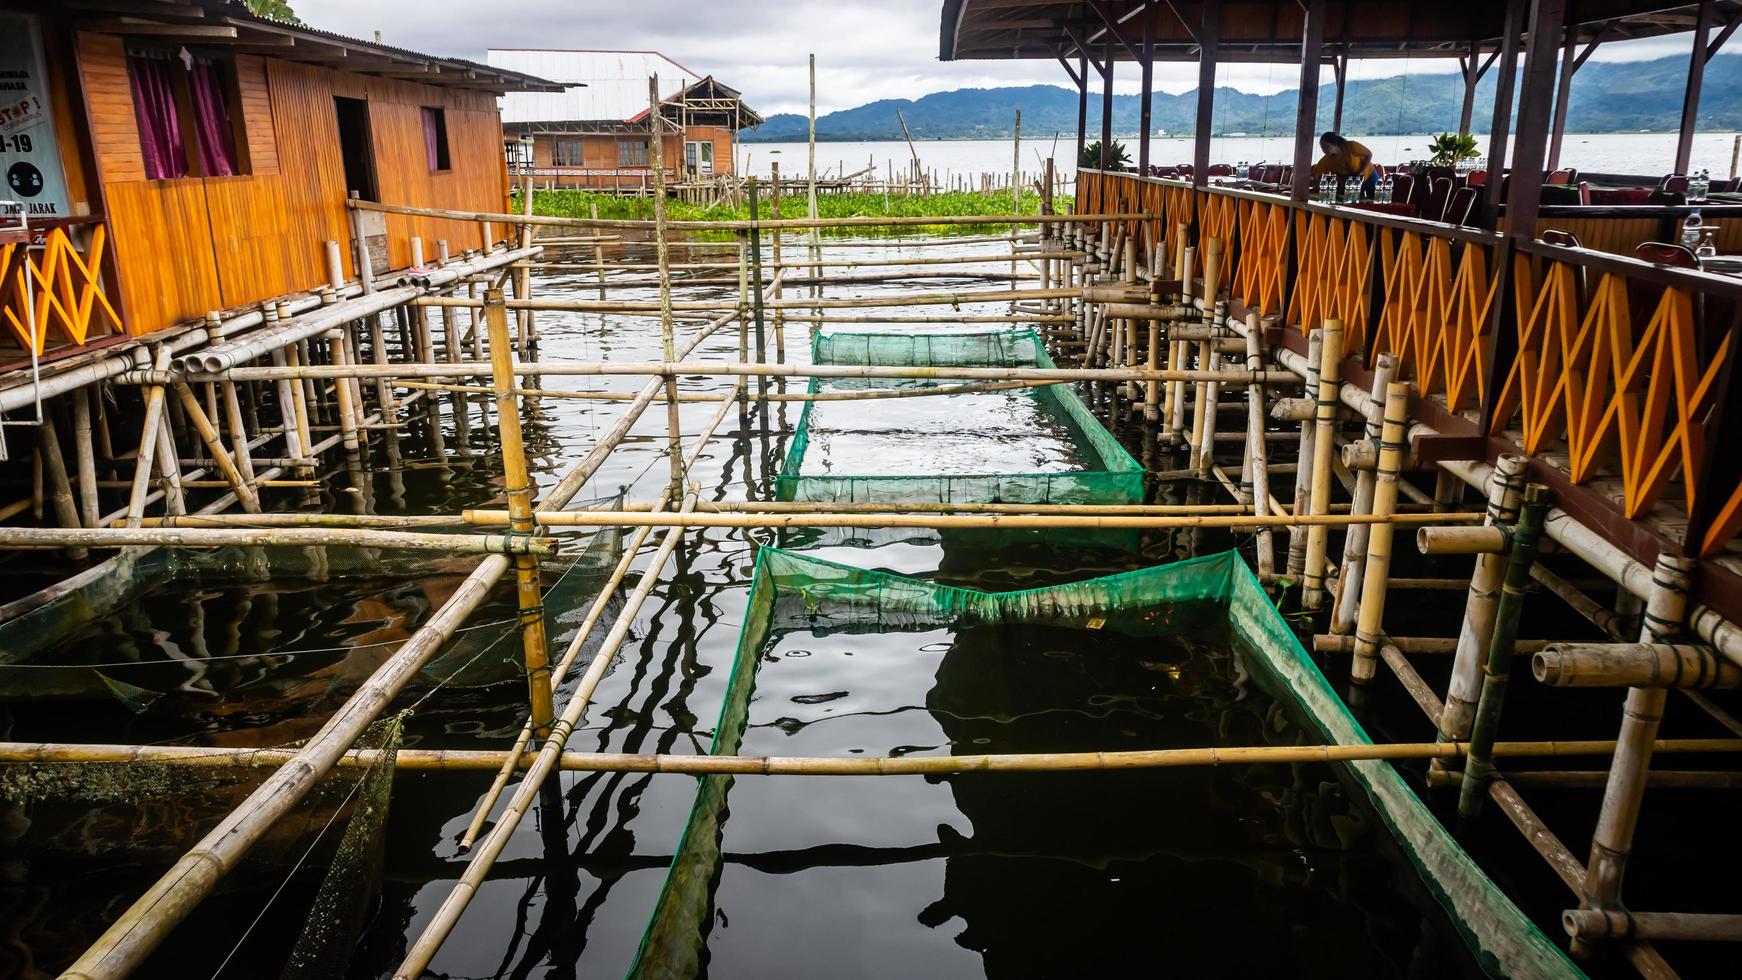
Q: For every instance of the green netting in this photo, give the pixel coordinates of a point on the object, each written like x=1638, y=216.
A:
x=1109, y=474
x=790, y=589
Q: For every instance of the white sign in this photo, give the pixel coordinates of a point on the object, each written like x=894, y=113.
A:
x=30, y=162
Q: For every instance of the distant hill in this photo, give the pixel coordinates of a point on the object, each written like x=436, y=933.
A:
x=1606, y=97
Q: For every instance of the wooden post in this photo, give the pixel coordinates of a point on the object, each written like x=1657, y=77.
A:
x=523, y=285
x=1324, y=440
x=1642, y=713
x=1505, y=492
x=1209, y=33
x=1479, y=766
x=1535, y=105
x=598, y=251
x=84, y=450
x=1306, y=118
x=1107, y=106
x=1504, y=85
x=1684, y=144
x=517, y=487
x=1082, y=79
x=1563, y=93
x=1370, y=630
x=1349, y=577
x=1145, y=92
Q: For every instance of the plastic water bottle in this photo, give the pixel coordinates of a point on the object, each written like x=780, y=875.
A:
x=1385, y=189
x=1325, y=186
x=1700, y=186
x=1691, y=226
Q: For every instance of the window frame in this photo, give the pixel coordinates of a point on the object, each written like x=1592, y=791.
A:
x=558, y=158
x=181, y=93
x=444, y=161
x=645, y=154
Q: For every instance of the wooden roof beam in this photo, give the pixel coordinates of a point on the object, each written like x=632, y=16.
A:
x=1100, y=8
x=146, y=28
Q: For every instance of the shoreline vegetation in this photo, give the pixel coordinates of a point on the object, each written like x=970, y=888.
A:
x=849, y=204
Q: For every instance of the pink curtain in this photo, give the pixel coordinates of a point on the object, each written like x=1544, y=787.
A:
x=212, y=121
x=432, y=138
x=154, y=107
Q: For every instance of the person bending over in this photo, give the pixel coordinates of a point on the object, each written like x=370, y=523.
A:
x=1347, y=158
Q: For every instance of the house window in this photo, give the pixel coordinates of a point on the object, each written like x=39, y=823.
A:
x=435, y=138
x=566, y=153
x=186, y=112
x=631, y=153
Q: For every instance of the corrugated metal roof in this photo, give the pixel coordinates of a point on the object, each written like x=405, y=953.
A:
x=615, y=83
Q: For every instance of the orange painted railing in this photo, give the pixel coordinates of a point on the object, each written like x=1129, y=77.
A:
x=1608, y=370
x=61, y=285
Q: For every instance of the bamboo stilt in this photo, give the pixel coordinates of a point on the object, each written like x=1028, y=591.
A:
x=517, y=487
x=59, y=485
x=84, y=450
x=1497, y=669
x=1370, y=630
x=144, y=460
x=1612, y=843
x=1324, y=439
x=1505, y=493
x=1349, y=576
x=208, y=434
x=1303, y=480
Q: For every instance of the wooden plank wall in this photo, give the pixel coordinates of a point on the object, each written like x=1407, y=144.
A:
x=192, y=245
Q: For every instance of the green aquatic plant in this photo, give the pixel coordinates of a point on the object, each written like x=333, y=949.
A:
x=849, y=204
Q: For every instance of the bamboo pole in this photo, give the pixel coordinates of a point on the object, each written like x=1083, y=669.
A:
x=1303, y=481
x=517, y=487
x=770, y=224
x=1256, y=462
x=239, y=439
x=295, y=537
x=1505, y=492
x=484, y=760
x=680, y=368
x=1678, y=665
x=949, y=298
x=143, y=461
x=60, y=486
x=1370, y=629
x=1642, y=713
x=1324, y=438
x=1497, y=669
x=1596, y=925
x=662, y=255
x=1349, y=575
x=215, y=445
x=84, y=451
x=857, y=394
x=351, y=435
x=617, y=518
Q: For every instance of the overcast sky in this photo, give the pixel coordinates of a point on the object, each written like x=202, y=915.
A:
x=866, y=49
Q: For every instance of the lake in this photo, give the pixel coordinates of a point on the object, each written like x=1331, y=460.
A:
x=1635, y=153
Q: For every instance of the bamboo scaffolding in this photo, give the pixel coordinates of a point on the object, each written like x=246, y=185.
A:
x=1370, y=626
x=772, y=224
x=292, y=537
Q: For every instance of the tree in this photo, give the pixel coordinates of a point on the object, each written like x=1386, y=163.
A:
x=274, y=9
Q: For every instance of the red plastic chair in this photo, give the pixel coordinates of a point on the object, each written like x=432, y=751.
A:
x=1566, y=176
x=1272, y=174
x=1476, y=178
x=1666, y=253
x=1673, y=184
x=1220, y=170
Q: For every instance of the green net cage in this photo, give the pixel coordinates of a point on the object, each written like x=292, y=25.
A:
x=1034, y=445
x=793, y=591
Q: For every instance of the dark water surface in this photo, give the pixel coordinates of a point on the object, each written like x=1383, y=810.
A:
x=1230, y=872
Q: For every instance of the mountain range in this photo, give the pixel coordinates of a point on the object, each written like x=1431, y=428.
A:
x=1607, y=97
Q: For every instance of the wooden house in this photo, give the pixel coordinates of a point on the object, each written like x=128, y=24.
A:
x=595, y=132
x=171, y=158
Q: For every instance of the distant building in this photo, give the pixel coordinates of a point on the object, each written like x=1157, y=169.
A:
x=594, y=134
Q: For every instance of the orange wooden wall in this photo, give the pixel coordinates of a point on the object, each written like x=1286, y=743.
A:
x=191, y=245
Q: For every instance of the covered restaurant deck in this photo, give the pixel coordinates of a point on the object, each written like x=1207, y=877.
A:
x=1528, y=330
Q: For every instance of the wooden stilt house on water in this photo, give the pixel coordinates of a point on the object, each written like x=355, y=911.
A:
x=174, y=158
x=594, y=134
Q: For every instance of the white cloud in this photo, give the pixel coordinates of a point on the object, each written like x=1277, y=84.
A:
x=866, y=49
